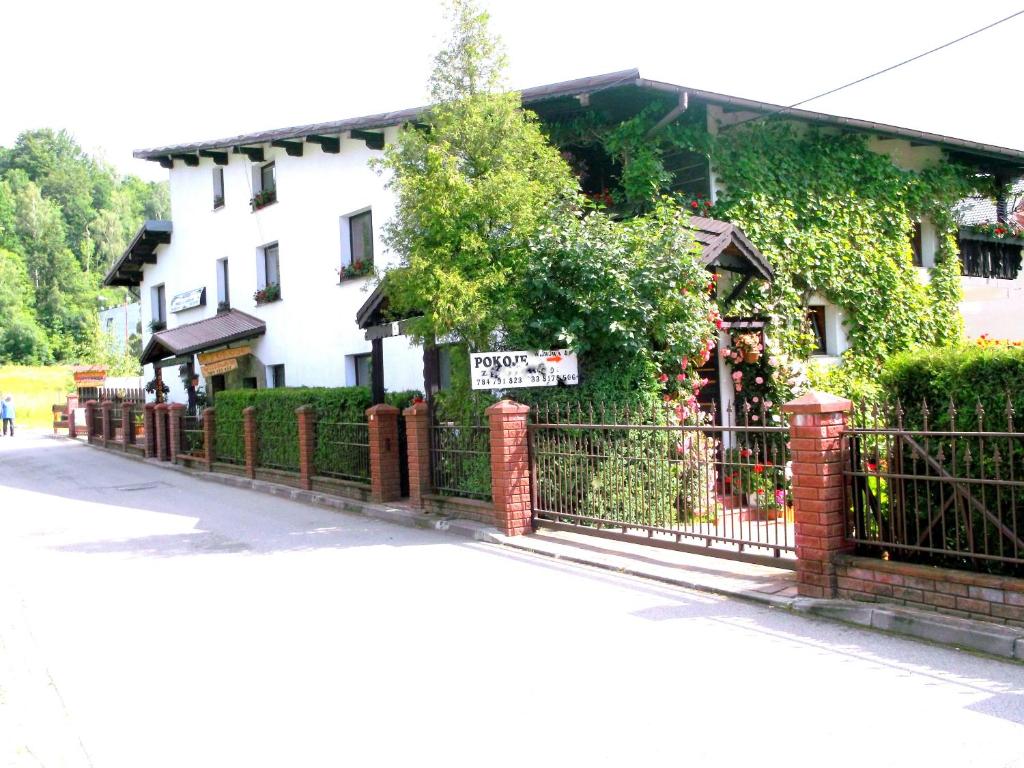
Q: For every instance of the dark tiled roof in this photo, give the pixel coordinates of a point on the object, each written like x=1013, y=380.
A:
x=215, y=331
x=127, y=270
x=726, y=246
x=629, y=78
x=982, y=210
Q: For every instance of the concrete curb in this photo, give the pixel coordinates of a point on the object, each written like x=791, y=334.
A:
x=991, y=639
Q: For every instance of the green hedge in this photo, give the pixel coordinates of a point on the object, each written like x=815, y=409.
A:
x=275, y=418
x=967, y=375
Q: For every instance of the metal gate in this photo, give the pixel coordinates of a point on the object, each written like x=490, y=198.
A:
x=720, y=490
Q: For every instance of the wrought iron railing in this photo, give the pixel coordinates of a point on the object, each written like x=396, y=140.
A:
x=277, y=443
x=193, y=440
x=950, y=496
x=642, y=474
x=460, y=458
x=116, y=423
x=229, y=438
x=342, y=450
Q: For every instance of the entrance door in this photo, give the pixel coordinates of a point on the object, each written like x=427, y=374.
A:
x=710, y=395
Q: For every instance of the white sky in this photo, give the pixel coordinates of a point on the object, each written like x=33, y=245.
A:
x=121, y=76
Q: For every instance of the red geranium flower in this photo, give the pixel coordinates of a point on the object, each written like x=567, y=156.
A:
x=759, y=468
x=694, y=204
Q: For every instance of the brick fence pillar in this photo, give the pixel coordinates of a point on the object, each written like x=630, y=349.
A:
x=816, y=426
x=160, y=416
x=249, y=422
x=107, y=425
x=417, y=438
x=510, y=467
x=209, y=437
x=149, y=428
x=385, y=472
x=127, y=425
x=175, y=427
x=305, y=416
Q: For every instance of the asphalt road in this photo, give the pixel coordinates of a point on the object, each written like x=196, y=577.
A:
x=151, y=619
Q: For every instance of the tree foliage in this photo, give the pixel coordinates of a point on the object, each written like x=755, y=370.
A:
x=64, y=218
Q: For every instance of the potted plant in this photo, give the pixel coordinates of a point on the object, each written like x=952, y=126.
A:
x=157, y=325
x=749, y=345
x=139, y=423
x=357, y=268
x=268, y=294
x=223, y=306
x=263, y=198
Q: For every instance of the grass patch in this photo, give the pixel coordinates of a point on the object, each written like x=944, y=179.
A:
x=35, y=389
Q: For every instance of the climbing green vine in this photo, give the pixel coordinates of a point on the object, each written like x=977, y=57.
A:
x=834, y=218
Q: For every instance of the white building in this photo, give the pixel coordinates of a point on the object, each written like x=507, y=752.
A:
x=285, y=216
x=120, y=322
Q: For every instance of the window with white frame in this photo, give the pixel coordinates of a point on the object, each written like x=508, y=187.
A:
x=158, y=308
x=268, y=267
x=818, y=328
x=361, y=370
x=275, y=376
x=223, y=286
x=268, y=178
x=357, y=243
x=218, y=188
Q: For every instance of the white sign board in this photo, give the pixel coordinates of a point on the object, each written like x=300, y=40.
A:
x=188, y=300
x=509, y=370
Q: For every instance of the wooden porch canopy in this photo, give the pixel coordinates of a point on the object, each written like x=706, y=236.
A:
x=127, y=270
x=217, y=331
x=379, y=323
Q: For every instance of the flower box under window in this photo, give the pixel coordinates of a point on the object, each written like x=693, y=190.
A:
x=157, y=325
x=267, y=295
x=356, y=269
x=263, y=199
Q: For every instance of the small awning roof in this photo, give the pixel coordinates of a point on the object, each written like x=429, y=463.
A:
x=212, y=332
x=725, y=246
x=127, y=270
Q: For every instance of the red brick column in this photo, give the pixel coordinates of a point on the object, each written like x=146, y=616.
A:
x=209, y=437
x=107, y=427
x=149, y=428
x=305, y=415
x=90, y=420
x=816, y=426
x=385, y=473
x=160, y=415
x=510, y=467
x=175, y=425
x=417, y=436
x=249, y=422
x=127, y=425
x=72, y=427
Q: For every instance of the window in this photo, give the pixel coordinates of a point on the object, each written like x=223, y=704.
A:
x=268, y=267
x=816, y=321
x=915, y=244
x=218, y=188
x=249, y=382
x=110, y=325
x=223, y=289
x=268, y=178
x=217, y=383
x=362, y=366
x=444, y=367
x=356, y=244
x=158, y=308
x=275, y=376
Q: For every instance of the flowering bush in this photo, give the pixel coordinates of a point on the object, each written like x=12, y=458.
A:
x=998, y=230
x=984, y=341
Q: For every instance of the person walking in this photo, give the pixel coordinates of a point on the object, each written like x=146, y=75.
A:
x=7, y=414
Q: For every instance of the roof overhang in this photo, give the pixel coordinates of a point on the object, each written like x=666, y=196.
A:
x=724, y=246
x=127, y=270
x=217, y=331
x=560, y=99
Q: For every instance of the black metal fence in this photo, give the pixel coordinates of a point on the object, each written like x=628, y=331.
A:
x=342, y=450
x=229, y=438
x=952, y=496
x=193, y=440
x=116, y=423
x=630, y=474
x=460, y=458
x=277, y=443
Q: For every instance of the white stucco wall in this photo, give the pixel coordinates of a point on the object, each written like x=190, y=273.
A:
x=312, y=328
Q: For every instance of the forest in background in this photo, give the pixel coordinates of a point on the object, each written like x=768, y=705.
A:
x=65, y=216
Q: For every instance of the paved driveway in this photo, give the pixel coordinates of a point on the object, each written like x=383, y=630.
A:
x=151, y=619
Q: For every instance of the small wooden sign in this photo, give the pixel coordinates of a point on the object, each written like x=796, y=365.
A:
x=219, y=367
x=223, y=354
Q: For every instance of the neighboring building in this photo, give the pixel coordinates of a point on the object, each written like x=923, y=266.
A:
x=121, y=322
x=273, y=233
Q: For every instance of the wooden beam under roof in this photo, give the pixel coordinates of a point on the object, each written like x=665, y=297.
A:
x=293, y=148
x=330, y=144
x=373, y=139
x=255, y=154
x=220, y=158
x=191, y=161
x=166, y=162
